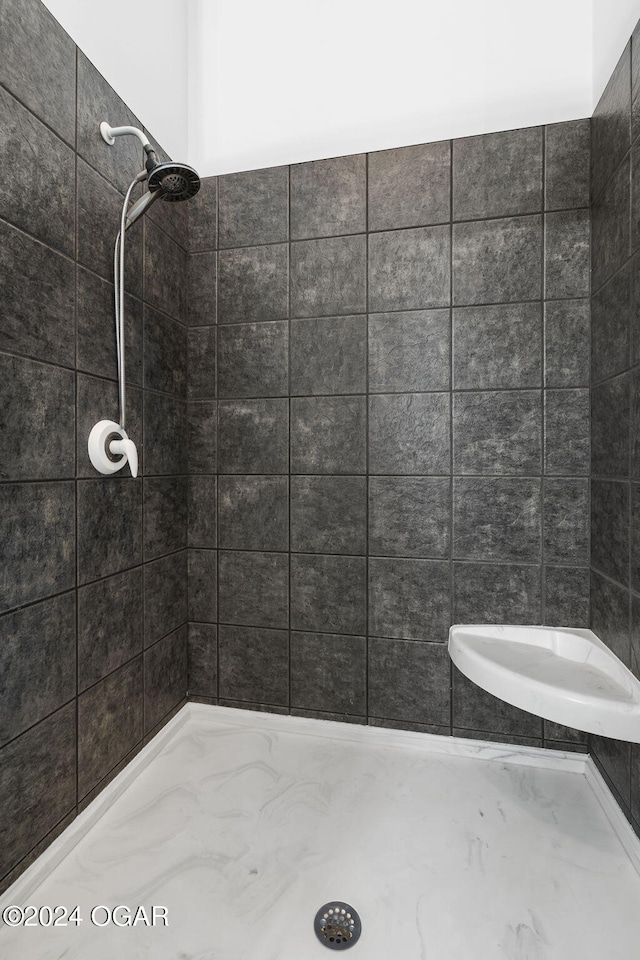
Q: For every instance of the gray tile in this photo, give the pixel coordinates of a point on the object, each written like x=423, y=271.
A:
x=328, y=673
x=203, y=592
x=635, y=197
x=109, y=526
x=496, y=593
x=410, y=187
x=614, y=759
x=98, y=101
x=409, y=599
x=610, y=529
x=37, y=663
x=565, y=735
x=37, y=552
x=254, y=589
x=165, y=434
x=253, y=360
x=566, y=343
x=202, y=290
x=635, y=424
x=328, y=593
x=328, y=277
x=109, y=723
x=566, y=444
x=38, y=785
x=409, y=516
x=254, y=664
x=202, y=511
x=165, y=515
x=610, y=226
x=253, y=513
x=496, y=518
x=253, y=284
x=475, y=709
x=96, y=334
x=409, y=681
x=329, y=355
x=409, y=269
x=36, y=310
x=203, y=216
x=610, y=427
x=497, y=346
x=328, y=515
x=203, y=660
x=497, y=261
x=611, y=326
x=328, y=435
x=610, y=615
x=38, y=193
x=98, y=204
x=566, y=521
x=567, y=164
x=37, y=423
x=38, y=849
x=202, y=441
x=165, y=677
x=165, y=353
x=497, y=432
x=409, y=433
x=261, y=707
x=611, y=123
x=634, y=536
x=329, y=197
x=253, y=207
x=566, y=262
x=409, y=351
x=95, y=400
x=110, y=625
x=165, y=272
x=254, y=436
x=635, y=103
x=38, y=61
x=202, y=363
x=165, y=596
x=566, y=596
x=498, y=174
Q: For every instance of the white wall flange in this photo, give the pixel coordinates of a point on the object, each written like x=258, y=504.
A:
x=103, y=446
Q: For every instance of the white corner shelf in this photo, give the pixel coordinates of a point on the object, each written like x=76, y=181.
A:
x=568, y=676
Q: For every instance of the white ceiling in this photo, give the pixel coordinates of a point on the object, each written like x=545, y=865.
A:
x=236, y=84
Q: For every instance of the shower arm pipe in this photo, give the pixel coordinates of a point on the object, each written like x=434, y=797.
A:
x=110, y=133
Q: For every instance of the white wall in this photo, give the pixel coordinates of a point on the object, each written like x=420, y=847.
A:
x=613, y=24
x=290, y=80
x=141, y=49
x=281, y=81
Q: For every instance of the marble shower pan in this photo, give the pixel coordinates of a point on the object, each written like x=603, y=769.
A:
x=243, y=824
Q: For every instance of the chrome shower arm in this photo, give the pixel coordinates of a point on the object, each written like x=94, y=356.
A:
x=110, y=133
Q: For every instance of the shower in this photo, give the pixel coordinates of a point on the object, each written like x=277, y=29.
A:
x=109, y=444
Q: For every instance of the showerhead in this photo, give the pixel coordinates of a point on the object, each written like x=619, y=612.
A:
x=177, y=181
x=167, y=181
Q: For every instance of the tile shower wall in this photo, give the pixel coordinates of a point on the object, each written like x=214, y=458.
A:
x=388, y=425
x=615, y=399
x=93, y=591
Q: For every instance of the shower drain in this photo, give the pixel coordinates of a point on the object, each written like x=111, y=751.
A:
x=337, y=925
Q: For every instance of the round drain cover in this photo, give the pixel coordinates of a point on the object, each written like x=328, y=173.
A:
x=337, y=925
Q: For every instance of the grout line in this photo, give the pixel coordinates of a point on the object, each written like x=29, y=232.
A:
x=452, y=611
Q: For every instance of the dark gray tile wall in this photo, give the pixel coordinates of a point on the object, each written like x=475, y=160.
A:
x=93, y=571
x=615, y=411
x=389, y=425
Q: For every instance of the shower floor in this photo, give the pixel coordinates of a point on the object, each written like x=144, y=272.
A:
x=244, y=824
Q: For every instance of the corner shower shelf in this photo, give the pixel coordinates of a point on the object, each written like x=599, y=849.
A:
x=568, y=676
